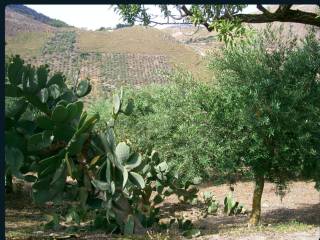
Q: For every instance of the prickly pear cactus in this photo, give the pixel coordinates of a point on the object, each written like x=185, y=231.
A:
x=232, y=207
x=46, y=126
x=117, y=176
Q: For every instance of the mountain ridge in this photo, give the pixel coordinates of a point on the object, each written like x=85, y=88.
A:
x=20, y=8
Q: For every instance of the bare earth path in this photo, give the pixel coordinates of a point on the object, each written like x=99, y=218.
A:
x=296, y=217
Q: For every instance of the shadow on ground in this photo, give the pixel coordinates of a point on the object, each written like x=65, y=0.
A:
x=309, y=214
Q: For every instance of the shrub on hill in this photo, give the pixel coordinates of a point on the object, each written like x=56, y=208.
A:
x=57, y=23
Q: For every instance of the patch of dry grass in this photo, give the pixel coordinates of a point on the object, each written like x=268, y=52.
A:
x=27, y=43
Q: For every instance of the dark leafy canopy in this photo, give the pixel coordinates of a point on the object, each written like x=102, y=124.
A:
x=215, y=17
x=266, y=108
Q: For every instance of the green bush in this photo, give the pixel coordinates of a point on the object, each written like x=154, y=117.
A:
x=58, y=23
x=170, y=119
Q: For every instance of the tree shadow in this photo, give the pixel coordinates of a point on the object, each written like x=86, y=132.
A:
x=308, y=214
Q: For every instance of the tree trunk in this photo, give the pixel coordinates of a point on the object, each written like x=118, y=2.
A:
x=256, y=201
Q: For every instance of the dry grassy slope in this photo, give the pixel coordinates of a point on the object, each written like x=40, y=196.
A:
x=143, y=40
x=27, y=44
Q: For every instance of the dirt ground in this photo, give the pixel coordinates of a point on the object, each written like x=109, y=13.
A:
x=296, y=217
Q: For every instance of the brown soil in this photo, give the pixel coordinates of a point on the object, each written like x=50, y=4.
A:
x=300, y=206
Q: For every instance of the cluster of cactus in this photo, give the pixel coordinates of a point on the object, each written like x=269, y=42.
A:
x=48, y=133
x=116, y=177
x=232, y=207
x=132, y=185
x=161, y=182
x=45, y=125
x=211, y=204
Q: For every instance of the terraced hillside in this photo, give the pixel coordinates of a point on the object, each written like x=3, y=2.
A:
x=131, y=56
x=107, y=70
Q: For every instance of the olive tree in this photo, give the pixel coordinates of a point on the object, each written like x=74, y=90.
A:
x=265, y=110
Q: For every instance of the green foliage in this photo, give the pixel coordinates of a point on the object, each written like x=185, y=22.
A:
x=57, y=23
x=232, y=207
x=216, y=17
x=200, y=13
x=66, y=40
x=131, y=12
x=169, y=119
x=161, y=182
x=187, y=228
x=46, y=128
x=83, y=88
x=14, y=161
x=192, y=233
x=52, y=222
x=230, y=31
x=36, y=114
x=116, y=179
x=265, y=107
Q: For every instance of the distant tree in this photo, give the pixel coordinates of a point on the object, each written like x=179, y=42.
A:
x=121, y=25
x=104, y=29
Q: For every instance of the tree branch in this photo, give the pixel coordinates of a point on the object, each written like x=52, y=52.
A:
x=189, y=13
x=296, y=16
x=285, y=14
x=283, y=8
x=262, y=9
x=164, y=23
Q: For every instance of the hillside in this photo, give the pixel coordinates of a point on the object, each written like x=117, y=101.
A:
x=128, y=56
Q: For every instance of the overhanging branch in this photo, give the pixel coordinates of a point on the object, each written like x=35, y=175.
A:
x=283, y=14
x=262, y=9
x=296, y=16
